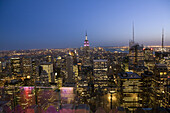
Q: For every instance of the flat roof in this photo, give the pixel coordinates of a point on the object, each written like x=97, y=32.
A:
x=100, y=60
x=129, y=75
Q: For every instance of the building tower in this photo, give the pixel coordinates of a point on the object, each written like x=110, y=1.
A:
x=132, y=42
x=86, y=42
x=16, y=67
x=133, y=33
x=162, y=40
x=86, y=51
x=69, y=68
x=47, y=71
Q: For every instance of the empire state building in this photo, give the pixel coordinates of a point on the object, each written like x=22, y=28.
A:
x=86, y=43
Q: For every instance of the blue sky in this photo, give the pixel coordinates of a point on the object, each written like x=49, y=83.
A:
x=34, y=24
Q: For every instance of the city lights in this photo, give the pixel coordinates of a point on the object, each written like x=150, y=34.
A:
x=49, y=63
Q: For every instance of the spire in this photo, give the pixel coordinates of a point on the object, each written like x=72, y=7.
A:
x=162, y=38
x=133, y=32
x=86, y=35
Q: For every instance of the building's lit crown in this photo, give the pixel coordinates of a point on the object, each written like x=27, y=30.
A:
x=86, y=42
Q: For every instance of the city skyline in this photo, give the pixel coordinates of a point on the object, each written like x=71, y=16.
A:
x=63, y=24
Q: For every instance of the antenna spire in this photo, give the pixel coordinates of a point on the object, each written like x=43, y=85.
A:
x=133, y=32
x=162, y=39
x=86, y=35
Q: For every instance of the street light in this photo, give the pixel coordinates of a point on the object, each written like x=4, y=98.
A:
x=111, y=92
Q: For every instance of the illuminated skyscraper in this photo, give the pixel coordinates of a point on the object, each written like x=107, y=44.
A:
x=27, y=67
x=87, y=51
x=59, y=62
x=86, y=43
x=48, y=67
x=16, y=67
x=147, y=89
x=136, y=57
x=69, y=68
x=129, y=84
x=149, y=58
x=160, y=81
x=35, y=65
x=100, y=73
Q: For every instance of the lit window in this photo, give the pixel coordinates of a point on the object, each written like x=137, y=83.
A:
x=161, y=73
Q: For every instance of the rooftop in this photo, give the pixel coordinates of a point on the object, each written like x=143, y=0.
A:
x=100, y=60
x=129, y=75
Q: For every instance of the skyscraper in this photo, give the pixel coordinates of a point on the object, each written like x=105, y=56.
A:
x=136, y=57
x=69, y=68
x=48, y=67
x=100, y=73
x=86, y=43
x=129, y=84
x=16, y=67
x=160, y=81
x=27, y=67
x=86, y=56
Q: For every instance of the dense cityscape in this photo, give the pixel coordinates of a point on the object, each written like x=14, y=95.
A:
x=84, y=56
x=85, y=80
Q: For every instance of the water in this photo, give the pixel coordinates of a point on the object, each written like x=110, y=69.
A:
x=119, y=50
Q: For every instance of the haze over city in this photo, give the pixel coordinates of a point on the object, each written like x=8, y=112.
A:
x=62, y=24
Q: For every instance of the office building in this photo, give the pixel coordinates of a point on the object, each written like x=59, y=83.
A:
x=69, y=69
x=160, y=80
x=16, y=67
x=147, y=89
x=149, y=60
x=100, y=73
x=129, y=90
x=27, y=67
x=136, y=58
x=48, y=67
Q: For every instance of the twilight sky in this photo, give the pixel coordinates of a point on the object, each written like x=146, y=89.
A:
x=34, y=24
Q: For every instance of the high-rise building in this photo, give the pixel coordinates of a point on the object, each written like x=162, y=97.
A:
x=147, y=89
x=59, y=62
x=85, y=80
x=86, y=43
x=69, y=69
x=27, y=67
x=149, y=60
x=166, y=97
x=136, y=57
x=35, y=65
x=129, y=84
x=86, y=53
x=43, y=77
x=148, y=54
x=100, y=73
x=49, y=58
x=16, y=67
x=48, y=67
x=160, y=80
